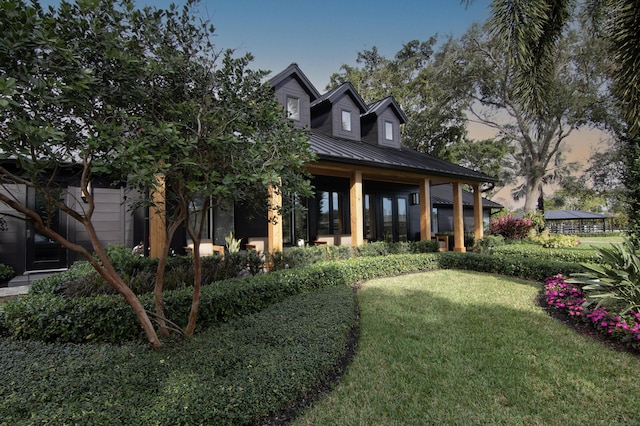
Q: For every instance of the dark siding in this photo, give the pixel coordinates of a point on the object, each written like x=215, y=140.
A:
x=369, y=129
x=389, y=115
x=13, y=240
x=347, y=104
x=292, y=88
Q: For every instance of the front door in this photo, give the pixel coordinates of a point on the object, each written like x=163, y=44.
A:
x=394, y=218
x=42, y=252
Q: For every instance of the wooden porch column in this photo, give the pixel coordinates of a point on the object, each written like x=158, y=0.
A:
x=425, y=209
x=355, y=198
x=477, y=212
x=274, y=226
x=458, y=219
x=157, y=218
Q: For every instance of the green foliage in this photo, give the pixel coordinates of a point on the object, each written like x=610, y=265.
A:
x=296, y=257
x=239, y=373
x=54, y=318
x=517, y=266
x=233, y=244
x=537, y=252
x=616, y=282
x=550, y=240
x=6, y=272
x=489, y=242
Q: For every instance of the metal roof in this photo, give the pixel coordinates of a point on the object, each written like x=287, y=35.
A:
x=443, y=195
x=573, y=215
x=295, y=71
x=403, y=159
x=379, y=106
x=344, y=88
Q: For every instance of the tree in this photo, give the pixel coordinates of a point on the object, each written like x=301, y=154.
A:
x=65, y=114
x=617, y=22
x=575, y=97
x=102, y=89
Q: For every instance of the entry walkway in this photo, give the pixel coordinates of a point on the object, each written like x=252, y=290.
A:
x=19, y=285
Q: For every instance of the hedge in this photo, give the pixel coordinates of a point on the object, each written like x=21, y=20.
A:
x=106, y=318
x=552, y=254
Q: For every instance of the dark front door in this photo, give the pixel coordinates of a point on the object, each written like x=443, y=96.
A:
x=394, y=218
x=42, y=252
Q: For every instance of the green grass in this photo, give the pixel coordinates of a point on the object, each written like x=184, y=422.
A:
x=588, y=243
x=451, y=347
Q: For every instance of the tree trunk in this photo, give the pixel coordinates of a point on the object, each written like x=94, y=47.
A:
x=197, y=283
x=531, y=196
x=108, y=272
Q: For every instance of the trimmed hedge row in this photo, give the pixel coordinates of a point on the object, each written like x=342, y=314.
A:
x=516, y=266
x=538, y=252
x=243, y=372
x=107, y=318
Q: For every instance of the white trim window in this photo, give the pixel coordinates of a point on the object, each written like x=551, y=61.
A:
x=388, y=130
x=293, y=108
x=346, y=120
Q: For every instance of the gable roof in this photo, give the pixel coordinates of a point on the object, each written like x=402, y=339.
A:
x=389, y=102
x=442, y=195
x=345, y=88
x=407, y=159
x=294, y=71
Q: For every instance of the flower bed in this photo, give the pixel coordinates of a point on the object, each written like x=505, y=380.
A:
x=569, y=298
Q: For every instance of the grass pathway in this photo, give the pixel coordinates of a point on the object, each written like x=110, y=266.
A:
x=452, y=347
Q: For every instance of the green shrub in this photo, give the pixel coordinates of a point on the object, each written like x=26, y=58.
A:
x=6, y=272
x=548, y=240
x=616, y=283
x=537, y=252
x=517, y=266
x=489, y=242
x=239, y=373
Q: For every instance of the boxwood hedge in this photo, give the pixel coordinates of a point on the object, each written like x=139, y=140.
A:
x=106, y=318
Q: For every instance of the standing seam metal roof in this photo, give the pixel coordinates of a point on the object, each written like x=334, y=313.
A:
x=406, y=159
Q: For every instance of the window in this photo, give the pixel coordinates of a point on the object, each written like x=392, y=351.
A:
x=330, y=212
x=402, y=219
x=387, y=218
x=293, y=108
x=388, y=130
x=346, y=121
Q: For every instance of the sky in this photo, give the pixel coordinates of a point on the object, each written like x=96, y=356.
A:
x=320, y=36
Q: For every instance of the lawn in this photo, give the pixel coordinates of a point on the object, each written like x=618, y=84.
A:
x=595, y=242
x=451, y=347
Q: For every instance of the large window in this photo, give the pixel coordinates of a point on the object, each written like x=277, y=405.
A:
x=294, y=221
x=369, y=218
x=293, y=108
x=346, y=121
x=330, y=212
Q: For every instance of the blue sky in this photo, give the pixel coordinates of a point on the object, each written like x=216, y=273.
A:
x=322, y=35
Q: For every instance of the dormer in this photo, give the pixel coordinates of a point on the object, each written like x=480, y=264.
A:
x=337, y=113
x=295, y=93
x=381, y=123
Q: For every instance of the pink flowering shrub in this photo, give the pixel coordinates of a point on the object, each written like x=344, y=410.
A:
x=511, y=228
x=570, y=298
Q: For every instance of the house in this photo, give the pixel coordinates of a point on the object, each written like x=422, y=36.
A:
x=368, y=187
